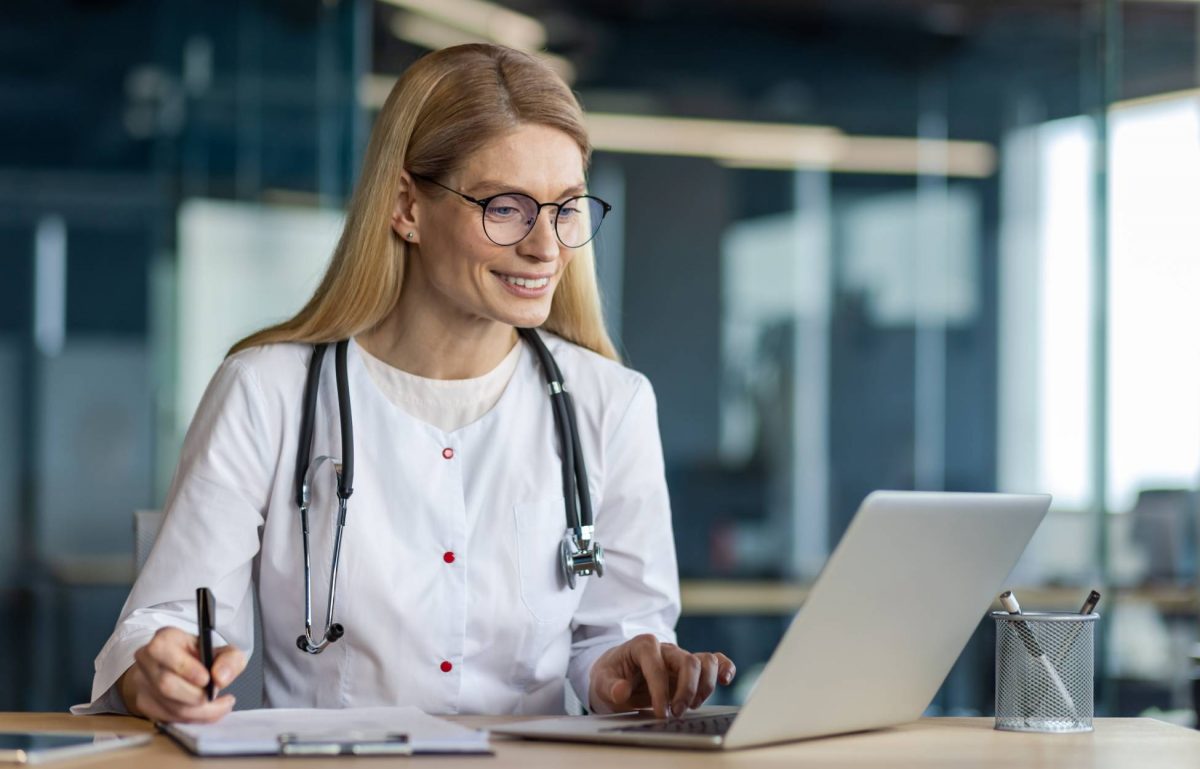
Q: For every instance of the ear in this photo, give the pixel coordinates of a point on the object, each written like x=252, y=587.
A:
x=404, y=212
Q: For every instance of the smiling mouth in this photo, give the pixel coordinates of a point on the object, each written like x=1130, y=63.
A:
x=523, y=282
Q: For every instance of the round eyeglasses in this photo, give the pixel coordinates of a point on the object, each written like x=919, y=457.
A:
x=510, y=216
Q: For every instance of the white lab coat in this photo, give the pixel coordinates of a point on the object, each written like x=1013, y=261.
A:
x=497, y=613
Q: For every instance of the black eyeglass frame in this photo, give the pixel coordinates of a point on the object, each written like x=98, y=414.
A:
x=483, y=204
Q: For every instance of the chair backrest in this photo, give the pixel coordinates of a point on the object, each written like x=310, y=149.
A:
x=248, y=688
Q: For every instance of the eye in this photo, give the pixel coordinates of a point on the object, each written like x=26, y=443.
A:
x=508, y=208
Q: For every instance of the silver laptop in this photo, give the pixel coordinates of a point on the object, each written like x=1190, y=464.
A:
x=888, y=616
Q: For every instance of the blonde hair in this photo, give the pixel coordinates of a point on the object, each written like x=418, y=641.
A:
x=447, y=105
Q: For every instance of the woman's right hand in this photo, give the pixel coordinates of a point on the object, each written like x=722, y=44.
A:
x=167, y=679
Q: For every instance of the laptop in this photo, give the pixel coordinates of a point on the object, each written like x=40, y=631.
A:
x=883, y=624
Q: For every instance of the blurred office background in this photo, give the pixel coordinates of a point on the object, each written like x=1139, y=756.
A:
x=926, y=244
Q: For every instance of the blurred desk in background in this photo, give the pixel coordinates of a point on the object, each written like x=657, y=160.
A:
x=92, y=570
x=705, y=597
x=764, y=597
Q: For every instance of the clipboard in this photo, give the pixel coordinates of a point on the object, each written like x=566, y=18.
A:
x=354, y=744
x=379, y=731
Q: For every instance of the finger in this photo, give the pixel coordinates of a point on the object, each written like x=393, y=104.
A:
x=687, y=668
x=173, y=690
x=176, y=651
x=137, y=693
x=727, y=670
x=165, y=682
x=609, y=670
x=148, y=703
x=208, y=712
x=648, y=654
x=619, y=692
x=228, y=664
x=157, y=709
x=708, y=678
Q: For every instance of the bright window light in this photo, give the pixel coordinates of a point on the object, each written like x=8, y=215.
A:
x=1154, y=352
x=1154, y=305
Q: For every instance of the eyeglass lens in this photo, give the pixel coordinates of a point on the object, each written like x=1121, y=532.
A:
x=509, y=218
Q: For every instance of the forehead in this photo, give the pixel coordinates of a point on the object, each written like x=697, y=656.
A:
x=535, y=158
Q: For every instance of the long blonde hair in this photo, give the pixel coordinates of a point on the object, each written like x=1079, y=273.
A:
x=447, y=105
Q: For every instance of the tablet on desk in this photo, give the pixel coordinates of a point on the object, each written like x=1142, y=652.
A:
x=43, y=747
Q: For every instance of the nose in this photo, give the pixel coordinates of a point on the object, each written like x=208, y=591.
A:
x=542, y=241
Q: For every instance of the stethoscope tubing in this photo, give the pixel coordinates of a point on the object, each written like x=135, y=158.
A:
x=304, y=446
x=576, y=495
x=346, y=472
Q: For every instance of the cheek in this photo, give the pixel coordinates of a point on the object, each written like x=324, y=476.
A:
x=566, y=259
x=455, y=261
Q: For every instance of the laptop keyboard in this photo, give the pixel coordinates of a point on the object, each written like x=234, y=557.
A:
x=701, y=725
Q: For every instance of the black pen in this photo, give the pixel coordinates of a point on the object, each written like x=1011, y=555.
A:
x=1089, y=605
x=205, y=613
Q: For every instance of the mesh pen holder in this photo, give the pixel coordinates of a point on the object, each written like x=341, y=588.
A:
x=1044, y=671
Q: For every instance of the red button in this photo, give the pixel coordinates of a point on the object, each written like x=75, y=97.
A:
x=448, y=557
x=448, y=453
x=447, y=667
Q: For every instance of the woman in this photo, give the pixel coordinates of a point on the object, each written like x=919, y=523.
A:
x=450, y=592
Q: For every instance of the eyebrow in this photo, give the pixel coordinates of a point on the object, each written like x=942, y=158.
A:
x=490, y=184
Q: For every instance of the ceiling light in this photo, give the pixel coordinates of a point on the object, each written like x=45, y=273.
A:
x=782, y=146
x=772, y=146
x=483, y=19
x=421, y=27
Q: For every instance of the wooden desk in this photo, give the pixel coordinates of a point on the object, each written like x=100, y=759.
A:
x=1120, y=743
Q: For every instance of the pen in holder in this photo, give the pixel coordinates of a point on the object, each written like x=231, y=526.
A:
x=1044, y=671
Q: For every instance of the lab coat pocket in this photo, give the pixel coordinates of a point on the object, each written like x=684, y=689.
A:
x=541, y=526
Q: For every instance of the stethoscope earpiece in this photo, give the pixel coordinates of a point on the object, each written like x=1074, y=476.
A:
x=332, y=635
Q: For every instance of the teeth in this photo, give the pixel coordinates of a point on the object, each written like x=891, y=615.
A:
x=537, y=283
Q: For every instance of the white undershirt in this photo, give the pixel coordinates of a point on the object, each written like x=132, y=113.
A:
x=447, y=404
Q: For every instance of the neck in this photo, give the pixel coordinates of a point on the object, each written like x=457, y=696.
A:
x=435, y=345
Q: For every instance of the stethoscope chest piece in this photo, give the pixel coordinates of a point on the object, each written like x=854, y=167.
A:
x=576, y=561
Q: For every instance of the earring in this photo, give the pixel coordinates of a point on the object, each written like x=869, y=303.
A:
x=411, y=235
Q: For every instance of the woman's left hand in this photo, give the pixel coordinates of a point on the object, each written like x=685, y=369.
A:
x=644, y=672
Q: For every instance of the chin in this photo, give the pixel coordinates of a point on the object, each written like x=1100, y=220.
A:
x=529, y=316
x=527, y=320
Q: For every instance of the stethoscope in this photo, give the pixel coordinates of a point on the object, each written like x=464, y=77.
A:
x=579, y=554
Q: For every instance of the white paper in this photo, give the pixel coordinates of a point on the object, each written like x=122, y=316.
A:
x=256, y=732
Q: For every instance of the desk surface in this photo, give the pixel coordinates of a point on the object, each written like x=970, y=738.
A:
x=1120, y=743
